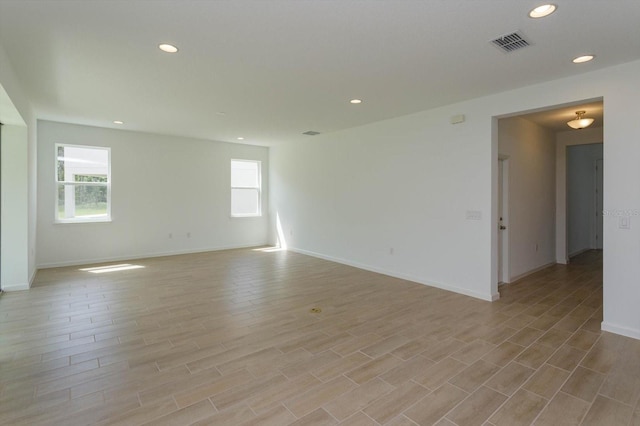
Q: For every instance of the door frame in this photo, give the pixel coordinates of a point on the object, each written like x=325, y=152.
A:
x=598, y=228
x=504, y=274
x=562, y=218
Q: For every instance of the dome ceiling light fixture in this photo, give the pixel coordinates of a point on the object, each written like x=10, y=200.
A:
x=580, y=122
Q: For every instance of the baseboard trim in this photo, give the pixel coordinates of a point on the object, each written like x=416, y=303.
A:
x=15, y=287
x=82, y=262
x=465, y=292
x=579, y=252
x=532, y=271
x=33, y=277
x=621, y=330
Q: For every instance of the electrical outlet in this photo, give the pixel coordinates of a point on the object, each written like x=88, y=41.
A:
x=188, y=234
x=391, y=250
x=170, y=235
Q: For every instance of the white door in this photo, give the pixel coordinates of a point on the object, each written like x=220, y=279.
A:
x=503, y=212
x=599, y=203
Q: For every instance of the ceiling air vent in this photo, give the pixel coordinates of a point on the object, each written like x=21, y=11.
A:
x=311, y=133
x=510, y=42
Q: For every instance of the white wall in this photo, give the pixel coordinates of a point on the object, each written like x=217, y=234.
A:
x=581, y=187
x=161, y=185
x=531, y=151
x=23, y=239
x=15, y=218
x=621, y=194
x=401, y=185
x=407, y=182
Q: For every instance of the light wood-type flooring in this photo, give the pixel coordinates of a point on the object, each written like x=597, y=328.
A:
x=229, y=338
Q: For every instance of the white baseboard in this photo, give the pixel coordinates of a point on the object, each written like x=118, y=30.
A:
x=91, y=261
x=20, y=286
x=578, y=252
x=532, y=271
x=621, y=330
x=15, y=287
x=487, y=297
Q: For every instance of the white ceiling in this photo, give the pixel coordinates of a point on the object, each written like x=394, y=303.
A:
x=280, y=68
x=8, y=112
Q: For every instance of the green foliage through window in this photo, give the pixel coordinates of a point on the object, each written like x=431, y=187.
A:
x=82, y=175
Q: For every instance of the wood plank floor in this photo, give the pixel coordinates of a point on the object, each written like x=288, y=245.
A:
x=228, y=338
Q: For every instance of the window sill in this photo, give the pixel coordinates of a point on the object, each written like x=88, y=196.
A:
x=68, y=221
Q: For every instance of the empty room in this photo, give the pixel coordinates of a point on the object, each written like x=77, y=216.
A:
x=321, y=212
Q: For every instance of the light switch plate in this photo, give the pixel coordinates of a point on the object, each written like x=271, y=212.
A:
x=624, y=222
x=457, y=119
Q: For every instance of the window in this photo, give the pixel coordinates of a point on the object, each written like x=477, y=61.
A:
x=83, y=184
x=245, y=188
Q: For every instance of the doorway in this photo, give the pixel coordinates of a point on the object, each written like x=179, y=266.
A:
x=530, y=220
x=584, y=198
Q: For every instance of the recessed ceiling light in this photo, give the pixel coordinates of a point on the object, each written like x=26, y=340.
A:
x=118, y=122
x=169, y=48
x=542, y=11
x=221, y=113
x=356, y=101
x=240, y=138
x=584, y=58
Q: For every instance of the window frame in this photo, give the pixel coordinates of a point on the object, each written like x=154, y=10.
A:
x=57, y=182
x=257, y=188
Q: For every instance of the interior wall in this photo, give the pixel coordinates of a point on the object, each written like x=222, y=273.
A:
x=21, y=264
x=169, y=195
x=563, y=140
x=393, y=197
x=581, y=188
x=407, y=183
x=15, y=218
x=531, y=226
x=622, y=199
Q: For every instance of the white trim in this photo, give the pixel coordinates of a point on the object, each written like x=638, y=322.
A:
x=618, y=329
x=579, y=252
x=235, y=216
x=256, y=188
x=15, y=287
x=562, y=146
x=83, y=220
x=107, y=184
x=147, y=255
x=504, y=236
x=465, y=292
x=532, y=271
x=598, y=232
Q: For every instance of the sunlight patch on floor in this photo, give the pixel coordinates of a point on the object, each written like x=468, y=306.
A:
x=111, y=268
